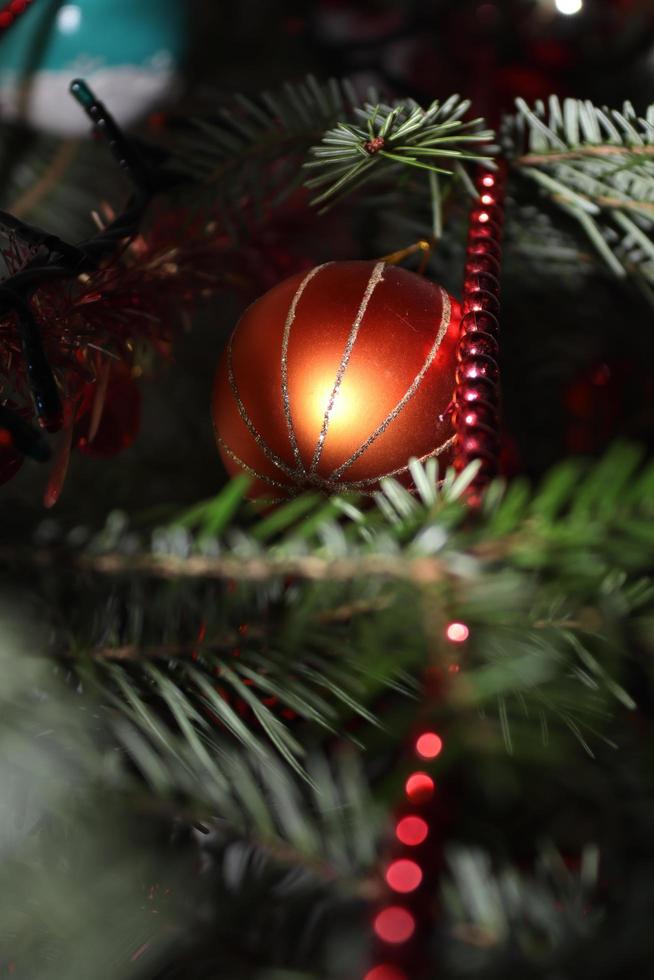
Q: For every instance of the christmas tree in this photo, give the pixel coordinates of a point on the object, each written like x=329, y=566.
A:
x=328, y=490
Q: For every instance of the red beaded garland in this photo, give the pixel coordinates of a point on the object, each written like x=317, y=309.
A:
x=480, y=300
x=482, y=262
x=471, y=392
x=476, y=395
x=479, y=320
x=481, y=280
x=476, y=342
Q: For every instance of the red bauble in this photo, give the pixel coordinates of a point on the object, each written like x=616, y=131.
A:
x=337, y=377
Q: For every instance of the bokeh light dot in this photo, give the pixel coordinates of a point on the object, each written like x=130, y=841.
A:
x=385, y=972
x=484, y=217
x=569, y=7
x=419, y=787
x=395, y=924
x=412, y=831
x=457, y=632
x=487, y=199
x=403, y=876
x=429, y=745
x=488, y=180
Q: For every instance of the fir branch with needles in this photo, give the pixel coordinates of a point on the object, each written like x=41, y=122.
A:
x=153, y=632
x=246, y=160
x=553, y=582
x=388, y=138
x=597, y=166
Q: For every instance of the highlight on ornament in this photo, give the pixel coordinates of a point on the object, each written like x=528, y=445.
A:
x=335, y=378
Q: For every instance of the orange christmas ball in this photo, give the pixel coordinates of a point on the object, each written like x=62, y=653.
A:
x=335, y=378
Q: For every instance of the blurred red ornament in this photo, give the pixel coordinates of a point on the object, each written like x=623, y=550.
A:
x=336, y=377
x=109, y=414
x=609, y=399
x=10, y=460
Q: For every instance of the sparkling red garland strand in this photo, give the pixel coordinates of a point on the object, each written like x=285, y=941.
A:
x=404, y=917
x=11, y=11
x=477, y=392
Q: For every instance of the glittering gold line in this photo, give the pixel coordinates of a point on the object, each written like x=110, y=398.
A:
x=327, y=483
x=256, y=435
x=321, y=483
x=375, y=278
x=249, y=469
x=403, y=469
x=410, y=392
x=285, y=393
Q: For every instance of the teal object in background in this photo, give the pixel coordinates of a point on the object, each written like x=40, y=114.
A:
x=130, y=52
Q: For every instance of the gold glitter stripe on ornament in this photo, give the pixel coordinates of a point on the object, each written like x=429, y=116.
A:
x=254, y=432
x=402, y=469
x=249, y=469
x=410, y=392
x=375, y=278
x=356, y=486
x=285, y=393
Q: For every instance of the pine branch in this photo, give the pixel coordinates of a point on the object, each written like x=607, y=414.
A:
x=552, y=584
x=247, y=160
x=389, y=139
x=529, y=579
x=596, y=165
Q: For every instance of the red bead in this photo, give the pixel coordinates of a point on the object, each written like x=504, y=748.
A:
x=419, y=787
x=412, y=831
x=477, y=447
x=481, y=299
x=481, y=429
x=481, y=280
x=487, y=215
x=385, y=972
x=472, y=416
x=494, y=180
x=477, y=320
x=395, y=924
x=403, y=876
x=487, y=229
x=6, y=19
x=482, y=262
x=17, y=6
x=482, y=245
x=480, y=390
x=477, y=367
x=476, y=342
x=429, y=745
